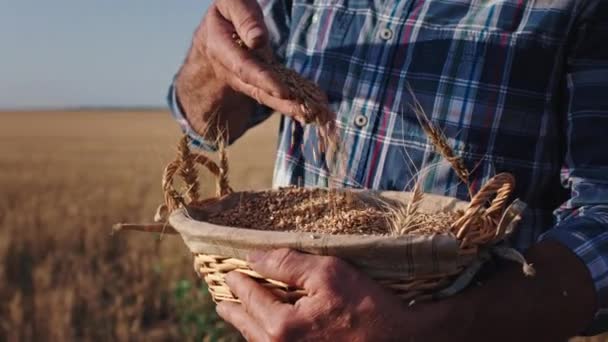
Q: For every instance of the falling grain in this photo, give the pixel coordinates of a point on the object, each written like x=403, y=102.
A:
x=313, y=105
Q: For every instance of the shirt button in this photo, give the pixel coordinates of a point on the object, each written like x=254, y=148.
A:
x=360, y=120
x=386, y=34
x=315, y=18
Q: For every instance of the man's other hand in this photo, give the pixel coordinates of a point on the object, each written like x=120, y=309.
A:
x=342, y=304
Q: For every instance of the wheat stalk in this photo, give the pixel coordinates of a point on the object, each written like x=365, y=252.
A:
x=404, y=218
x=313, y=103
x=223, y=187
x=313, y=106
x=412, y=206
x=440, y=142
x=417, y=197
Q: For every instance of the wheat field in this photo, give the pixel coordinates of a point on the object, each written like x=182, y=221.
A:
x=65, y=178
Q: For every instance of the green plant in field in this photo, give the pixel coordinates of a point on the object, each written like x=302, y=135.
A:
x=196, y=313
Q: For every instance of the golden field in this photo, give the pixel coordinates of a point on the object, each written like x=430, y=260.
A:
x=65, y=178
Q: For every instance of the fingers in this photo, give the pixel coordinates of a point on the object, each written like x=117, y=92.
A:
x=258, y=302
x=236, y=315
x=244, y=16
x=248, y=20
x=222, y=49
x=281, y=105
x=306, y=271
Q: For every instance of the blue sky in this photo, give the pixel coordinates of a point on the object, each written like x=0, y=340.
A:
x=66, y=53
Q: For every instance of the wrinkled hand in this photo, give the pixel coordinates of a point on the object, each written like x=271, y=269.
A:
x=342, y=304
x=239, y=68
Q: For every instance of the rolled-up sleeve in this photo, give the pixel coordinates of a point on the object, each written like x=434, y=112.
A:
x=277, y=14
x=582, y=222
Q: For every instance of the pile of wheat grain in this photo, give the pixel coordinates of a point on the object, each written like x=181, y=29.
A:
x=305, y=210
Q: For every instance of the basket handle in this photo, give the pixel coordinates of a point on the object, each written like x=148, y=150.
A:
x=172, y=198
x=499, y=188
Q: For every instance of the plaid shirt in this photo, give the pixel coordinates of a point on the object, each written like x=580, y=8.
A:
x=517, y=86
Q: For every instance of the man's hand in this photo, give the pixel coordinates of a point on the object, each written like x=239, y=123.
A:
x=219, y=77
x=341, y=305
x=344, y=305
x=238, y=67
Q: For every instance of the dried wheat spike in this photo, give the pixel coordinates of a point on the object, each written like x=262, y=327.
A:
x=223, y=187
x=417, y=197
x=187, y=170
x=313, y=104
x=408, y=218
x=440, y=142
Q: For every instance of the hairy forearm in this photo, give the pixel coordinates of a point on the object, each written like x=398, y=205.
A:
x=557, y=303
x=210, y=104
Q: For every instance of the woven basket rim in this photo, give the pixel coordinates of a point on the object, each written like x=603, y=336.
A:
x=379, y=254
x=190, y=220
x=382, y=256
x=185, y=225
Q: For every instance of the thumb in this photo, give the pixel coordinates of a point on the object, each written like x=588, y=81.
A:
x=288, y=266
x=248, y=20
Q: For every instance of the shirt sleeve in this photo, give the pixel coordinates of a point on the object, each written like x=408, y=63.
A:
x=277, y=14
x=582, y=222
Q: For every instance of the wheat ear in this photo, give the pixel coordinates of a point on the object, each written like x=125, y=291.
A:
x=313, y=105
x=405, y=217
x=223, y=187
x=440, y=142
x=417, y=196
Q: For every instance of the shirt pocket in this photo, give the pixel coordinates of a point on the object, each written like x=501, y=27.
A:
x=542, y=18
x=321, y=25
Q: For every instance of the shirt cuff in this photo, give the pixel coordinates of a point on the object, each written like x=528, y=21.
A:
x=588, y=239
x=176, y=110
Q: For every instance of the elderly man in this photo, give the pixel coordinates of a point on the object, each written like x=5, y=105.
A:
x=519, y=86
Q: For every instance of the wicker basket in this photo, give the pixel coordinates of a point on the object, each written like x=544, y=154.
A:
x=412, y=266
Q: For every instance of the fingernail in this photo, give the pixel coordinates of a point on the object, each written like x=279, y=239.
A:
x=255, y=256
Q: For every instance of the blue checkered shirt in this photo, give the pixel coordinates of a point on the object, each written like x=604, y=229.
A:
x=517, y=86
